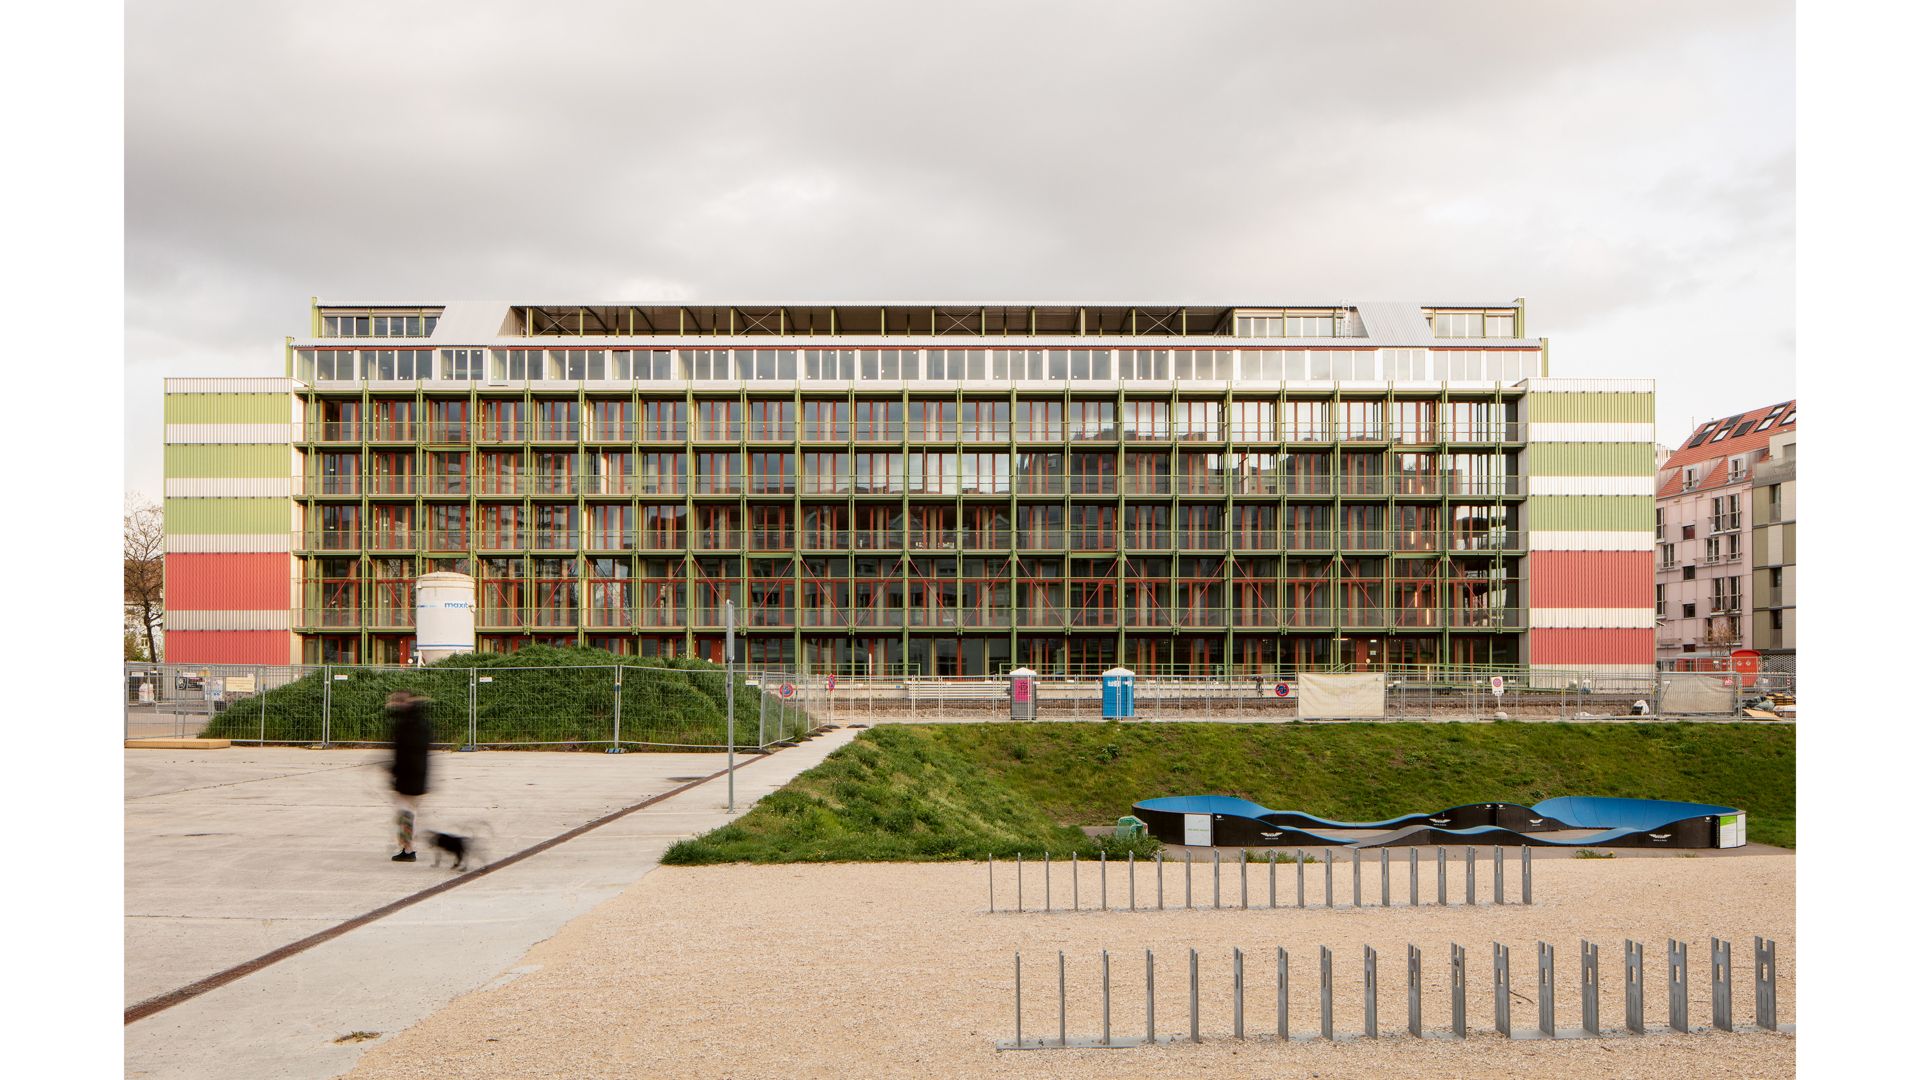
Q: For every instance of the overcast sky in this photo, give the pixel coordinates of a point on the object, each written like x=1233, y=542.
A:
x=1626, y=167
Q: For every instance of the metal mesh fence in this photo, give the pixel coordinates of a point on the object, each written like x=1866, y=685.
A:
x=471, y=707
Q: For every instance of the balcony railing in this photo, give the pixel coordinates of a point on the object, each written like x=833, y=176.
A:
x=717, y=539
x=501, y=431
x=988, y=539
x=556, y=431
x=932, y=539
x=610, y=431
x=1082, y=484
x=551, y=539
x=443, y=432
x=1363, y=539
x=1049, y=484
x=331, y=485
x=402, y=431
x=1149, y=484
x=706, y=483
x=330, y=618
x=1045, y=539
x=1203, y=483
x=1149, y=538
x=770, y=431
x=660, y=540
x=660, y=432
x=1196, y=539
x=1093, y=538
x=879, y=539
x=762, y=539
x=609, y=539
x=401, y=484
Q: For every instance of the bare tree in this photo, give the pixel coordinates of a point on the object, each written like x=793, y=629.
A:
x=144, y=547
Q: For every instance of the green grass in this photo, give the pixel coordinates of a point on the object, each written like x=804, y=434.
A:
x=965, y=791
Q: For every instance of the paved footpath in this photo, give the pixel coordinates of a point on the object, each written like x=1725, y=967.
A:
x=261, y=882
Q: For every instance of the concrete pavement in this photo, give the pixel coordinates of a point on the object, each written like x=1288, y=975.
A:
x=231, y=853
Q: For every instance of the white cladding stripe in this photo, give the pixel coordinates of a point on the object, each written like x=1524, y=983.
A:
x=228, y=543
x=229, y=620
x=215, y=434
x=1591, y=386
x=1590, y=485
x=218, y=488
x=1559, y=674
x=231, y=386
x=1590, y=540
x=1577, y=618
x=1590, y=433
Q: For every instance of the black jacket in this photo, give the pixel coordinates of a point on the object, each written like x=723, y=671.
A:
x=411, y=736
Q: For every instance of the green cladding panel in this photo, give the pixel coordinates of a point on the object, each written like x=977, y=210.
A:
x=1546, y=407
x=251, y=462
x=1590, y=513
x=229, y=516
x=1590, y=459
x=229, y=409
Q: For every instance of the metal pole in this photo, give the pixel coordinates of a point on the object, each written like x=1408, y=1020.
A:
x=1499, y=875
x=1722, y=973
x=1370, y=986
x=1280, y=991
x=1765, y=992
x=260, y=688
x=1356, y=879
x=1216, y=879
x=1239, y=997
x=1635, y=980
x=1017, y=1040
x=615, y=748
x=1103, y=881
x=1159, y=882
x=1243, y=879
x=326, y=706
x=1386, y=885
x=1063, y=999
x=1106, y=1002
x=1502, y=992
x=1130, y=906
x=1470, y=897
x=1193, y=993
x=1019, y=882
x=1677, y=985
x=1545, y=952
x=1589, y=988
x=1328, y=852
x=1413, y=991
x=1413, y=877
x=1150, y=1035
x=1189, y=880
x=1526, y=875
x=1457, y=984
x=1046, y=862
x=1299, y=879
x=1273, y=879
x=729, y=706
x=1326, y=994
x=473, y=708
x=1440, y=861
x=1076, y=881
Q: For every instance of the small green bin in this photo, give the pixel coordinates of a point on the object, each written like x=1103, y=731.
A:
x=1130, y=826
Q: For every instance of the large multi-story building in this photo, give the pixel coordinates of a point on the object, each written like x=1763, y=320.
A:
x=943, y=489
x=1724, y=527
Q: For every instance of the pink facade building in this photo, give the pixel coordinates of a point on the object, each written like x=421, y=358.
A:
x=1724, y=540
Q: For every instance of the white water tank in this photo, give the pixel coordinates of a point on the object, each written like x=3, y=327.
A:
x=443, y=616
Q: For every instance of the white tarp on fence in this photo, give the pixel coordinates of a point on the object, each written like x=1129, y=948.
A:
x=1342, y=697
x=1695, y=692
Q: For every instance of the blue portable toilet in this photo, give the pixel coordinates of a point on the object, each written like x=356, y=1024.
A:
x=1116, y=694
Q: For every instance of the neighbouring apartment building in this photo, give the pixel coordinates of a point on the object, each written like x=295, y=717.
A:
x=1724, y=526
x=931, y=488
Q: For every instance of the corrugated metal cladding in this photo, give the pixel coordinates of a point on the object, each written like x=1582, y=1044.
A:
x=1590, y=459
x=1590, y=513
x=229, y=408
x=1577, y=647
x=1590, y=579
x=229, y=386
x=210, y=487
x=242, y=516
x=231, y=647
x=1589, y=408
x=1581, y=432
x=233, y=543
x=1588, y=671
x=263, y=461
x=230, y=433
x=1575, y=485
x=254, y=580
x=1590, y=618
x=1580, y=540
x=229, y=620
x=1591, y=386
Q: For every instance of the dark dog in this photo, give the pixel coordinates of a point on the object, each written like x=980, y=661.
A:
x=449, y=844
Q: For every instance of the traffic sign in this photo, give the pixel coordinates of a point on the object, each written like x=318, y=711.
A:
x=1280, y=689
x=832, y=682
x=786, y=690
x=1499, y=684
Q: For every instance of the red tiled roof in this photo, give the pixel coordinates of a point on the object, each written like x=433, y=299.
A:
x=1755, y=437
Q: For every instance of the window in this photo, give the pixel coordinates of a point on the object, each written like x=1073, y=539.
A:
x=1686, y=573
x=1686, y=532
x=1666, y=556
x=1659, y=522
x=1686, y=611
x=517, y=364
x=1660, y=601
x=461, y=365
x=331, y=365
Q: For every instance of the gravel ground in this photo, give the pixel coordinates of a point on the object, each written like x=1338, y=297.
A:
x=892, y=970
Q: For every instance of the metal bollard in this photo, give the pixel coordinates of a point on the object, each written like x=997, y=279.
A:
x=1546, y=989
x=1413, y=991
x=1150, y=1035
x=1526, y=875
x=1243, y=879
x=1326, y=994
x=1356, y=879
x=1457, y=990
x=1106, y=1001
x=1280, y=993
x=1063, y=999
x=1386, y=884
x=1634, y=980
x=1677, y=985
x=1499, y=875
x=1502, y=992
x=1329, y=893
x=1413, y=877
x=1765, y=991
x=1017, y=1039
x=1370, y=988
x=1722, y=972
x=1239, y=997
x=1193, y=993
x=1076, y=881
x=1300, y=879
x=1103, y=881
x=1470, y=897
x=1273, y=879
x=1589, y=988
x=1440, y=868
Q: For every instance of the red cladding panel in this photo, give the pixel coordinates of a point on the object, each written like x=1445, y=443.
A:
x=1559, y=646
x=253, y=581
x=1590, y=579
x=228, y=647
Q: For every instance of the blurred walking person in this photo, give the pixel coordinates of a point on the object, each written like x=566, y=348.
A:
x=411, y=735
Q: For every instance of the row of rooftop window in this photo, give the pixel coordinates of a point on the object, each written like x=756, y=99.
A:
x=316, y=366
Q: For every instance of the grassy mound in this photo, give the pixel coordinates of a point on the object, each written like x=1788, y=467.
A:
x=962, y=791
x=540, y=694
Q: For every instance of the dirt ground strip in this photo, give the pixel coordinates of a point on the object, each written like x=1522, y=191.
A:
x=891, y=970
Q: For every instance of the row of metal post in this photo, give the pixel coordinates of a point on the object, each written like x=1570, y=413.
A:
x=1765, y=995
x=1273, y=879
